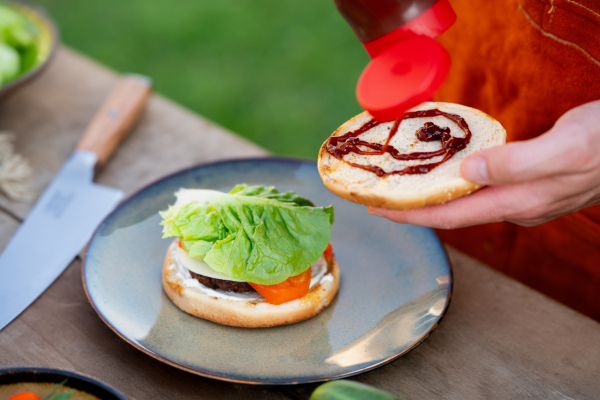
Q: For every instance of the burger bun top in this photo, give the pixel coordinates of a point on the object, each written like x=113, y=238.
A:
x=409, y=191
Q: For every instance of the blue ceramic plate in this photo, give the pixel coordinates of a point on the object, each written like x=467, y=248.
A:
x=395, y=287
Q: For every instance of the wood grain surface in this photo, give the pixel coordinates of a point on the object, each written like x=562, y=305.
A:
x=116, y=116
x=499, y=339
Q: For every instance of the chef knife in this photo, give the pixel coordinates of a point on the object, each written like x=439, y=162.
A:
x=72, y=206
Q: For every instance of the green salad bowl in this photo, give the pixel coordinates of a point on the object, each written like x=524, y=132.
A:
x=28, y=40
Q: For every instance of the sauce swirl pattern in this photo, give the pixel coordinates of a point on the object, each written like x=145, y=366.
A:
x=339, y=146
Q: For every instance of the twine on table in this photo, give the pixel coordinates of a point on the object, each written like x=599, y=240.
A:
x=15, y=172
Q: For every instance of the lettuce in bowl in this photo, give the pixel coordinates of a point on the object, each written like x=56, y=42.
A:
x=17, y=43
x=28, y=40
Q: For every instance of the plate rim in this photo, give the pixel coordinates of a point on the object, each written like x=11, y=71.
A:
x=226, y=378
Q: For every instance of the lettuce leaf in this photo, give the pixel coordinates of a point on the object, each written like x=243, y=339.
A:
x=252, y=233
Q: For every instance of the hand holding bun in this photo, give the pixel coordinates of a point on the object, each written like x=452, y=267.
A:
x=530, y=182
x=414, y=166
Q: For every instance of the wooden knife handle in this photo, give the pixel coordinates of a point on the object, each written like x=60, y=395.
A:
x=116, y=117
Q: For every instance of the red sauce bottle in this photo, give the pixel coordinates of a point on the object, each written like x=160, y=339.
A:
x=407, y=65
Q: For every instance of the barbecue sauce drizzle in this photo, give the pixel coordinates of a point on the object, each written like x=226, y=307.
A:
x=429, y=132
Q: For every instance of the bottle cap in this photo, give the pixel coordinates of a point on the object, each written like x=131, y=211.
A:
x=402, y=76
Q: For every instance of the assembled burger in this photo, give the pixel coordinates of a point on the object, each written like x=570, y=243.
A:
x=252, y=257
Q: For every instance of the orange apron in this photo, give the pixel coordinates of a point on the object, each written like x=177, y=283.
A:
x=527, y=62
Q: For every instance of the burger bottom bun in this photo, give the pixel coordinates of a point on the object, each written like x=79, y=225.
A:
x=247, y=314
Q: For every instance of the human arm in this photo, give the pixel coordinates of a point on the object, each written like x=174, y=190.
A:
x=529, y=182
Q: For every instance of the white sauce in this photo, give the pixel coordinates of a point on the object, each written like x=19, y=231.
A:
x=319, y=275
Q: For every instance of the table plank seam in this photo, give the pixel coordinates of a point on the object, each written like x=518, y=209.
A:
x=11, y=214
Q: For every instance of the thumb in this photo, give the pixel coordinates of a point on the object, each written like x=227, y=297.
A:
x=514, y=162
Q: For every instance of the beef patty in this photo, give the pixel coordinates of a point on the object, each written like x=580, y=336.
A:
x=229, y=286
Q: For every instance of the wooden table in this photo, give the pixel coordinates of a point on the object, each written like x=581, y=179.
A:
x=499, y=339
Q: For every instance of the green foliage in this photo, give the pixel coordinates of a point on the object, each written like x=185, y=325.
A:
x=281, y=73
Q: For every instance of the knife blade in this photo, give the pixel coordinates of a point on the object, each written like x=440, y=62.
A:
x=71, y=207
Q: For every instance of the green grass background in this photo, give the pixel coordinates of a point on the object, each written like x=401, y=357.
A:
x=280, y=73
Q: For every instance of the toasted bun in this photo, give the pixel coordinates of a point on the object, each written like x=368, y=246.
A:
x=404, y=192
x=247, y=314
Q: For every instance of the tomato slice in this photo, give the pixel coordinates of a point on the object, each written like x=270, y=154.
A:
x=292, y=288
x=25, y=396
x=328, y=253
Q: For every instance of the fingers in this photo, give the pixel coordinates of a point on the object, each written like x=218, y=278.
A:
x=531, y=182
x=515, y=162
x=570, y=147
x=477, y=208
x=526, y=204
